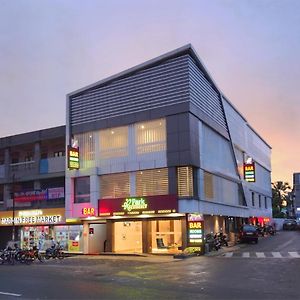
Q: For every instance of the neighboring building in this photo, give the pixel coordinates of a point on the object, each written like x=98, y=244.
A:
x=160, y=150
x=32, y=184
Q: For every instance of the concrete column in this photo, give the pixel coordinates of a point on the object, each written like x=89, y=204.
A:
x=85, y=238
x=69, y=196
x=7, y=160
x=94, y=190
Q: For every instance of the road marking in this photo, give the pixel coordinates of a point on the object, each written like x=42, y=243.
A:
x=246, y=254
x=260, y=255
x=228, y=254
x=294, y=254
x=277, y=254
x=10, y=294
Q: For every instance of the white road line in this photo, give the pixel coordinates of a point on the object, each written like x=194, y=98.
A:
x=10, y=294
x=260, y=255
x=277, y=254
x=294, y=254
x=246, y=254
x=228, y=254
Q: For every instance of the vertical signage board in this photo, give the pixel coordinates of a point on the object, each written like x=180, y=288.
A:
x=249, y=172
x=195, y=232
x=73, y=158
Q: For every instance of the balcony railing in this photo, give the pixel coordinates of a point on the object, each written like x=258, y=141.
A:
x=52, y=165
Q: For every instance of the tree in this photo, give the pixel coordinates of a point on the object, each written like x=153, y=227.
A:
x=280, y=192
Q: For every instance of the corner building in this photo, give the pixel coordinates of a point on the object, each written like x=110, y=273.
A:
x=161, y=152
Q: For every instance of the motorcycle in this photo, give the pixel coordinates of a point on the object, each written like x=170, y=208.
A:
x=223, y=239
x=213, y=242
x=55, y=252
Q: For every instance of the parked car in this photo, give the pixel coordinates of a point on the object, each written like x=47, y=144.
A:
x=289, y=224
x=248, y=233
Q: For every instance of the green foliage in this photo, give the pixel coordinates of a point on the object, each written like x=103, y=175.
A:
x=280, y=192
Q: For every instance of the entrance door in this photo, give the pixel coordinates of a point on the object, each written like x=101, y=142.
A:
x=127, y=237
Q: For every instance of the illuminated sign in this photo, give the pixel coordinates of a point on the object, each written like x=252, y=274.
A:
x=73, y=158
x=249, y=172
x=33, y=217
x=195, y=231
x=88, y=211
x=31, y=196
x=134, y=204
x=149, y=205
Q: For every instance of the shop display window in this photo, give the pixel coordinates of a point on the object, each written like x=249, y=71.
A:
x=166, y=236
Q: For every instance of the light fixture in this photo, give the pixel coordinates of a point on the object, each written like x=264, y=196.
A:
x=142, y=126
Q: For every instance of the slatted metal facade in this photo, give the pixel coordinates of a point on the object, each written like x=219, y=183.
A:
x=158, y=86
x=204, y=96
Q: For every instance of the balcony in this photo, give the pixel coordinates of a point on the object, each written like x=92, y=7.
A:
x=52, y=165
x=24, y=169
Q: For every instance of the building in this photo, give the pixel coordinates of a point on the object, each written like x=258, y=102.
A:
x=296, y=196
x=157, y=152
x=32, y=190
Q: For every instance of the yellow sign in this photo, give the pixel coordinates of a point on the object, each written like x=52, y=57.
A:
x=33, y=217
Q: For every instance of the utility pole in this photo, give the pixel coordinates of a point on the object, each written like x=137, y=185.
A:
x=13, y=208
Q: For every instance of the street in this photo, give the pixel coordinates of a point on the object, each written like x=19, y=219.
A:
x=267, y=270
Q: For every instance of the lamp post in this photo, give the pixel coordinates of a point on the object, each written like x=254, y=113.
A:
x=13, y=208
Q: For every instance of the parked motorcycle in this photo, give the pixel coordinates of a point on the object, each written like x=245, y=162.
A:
x=223, y=239
x=213, y=242
x=55, y=252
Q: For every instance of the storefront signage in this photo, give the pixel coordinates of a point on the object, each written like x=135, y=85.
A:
x=31, y=196
x=148, y=205
x=56, y=193
x=134, y=204
x=249, y=172
x=40, y=195
x=88, y=211
x=73, y=158
x=32, y=217
x=195, y=231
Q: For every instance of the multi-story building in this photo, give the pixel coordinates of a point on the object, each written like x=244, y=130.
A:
x=32, y=190
x=162, y=150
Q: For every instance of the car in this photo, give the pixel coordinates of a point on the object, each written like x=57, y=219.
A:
x=289, y=224
x=248, y=233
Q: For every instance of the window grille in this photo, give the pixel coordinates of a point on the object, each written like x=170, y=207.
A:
x=113, y=142
x=150, y=136
x=208, y=186
x=86, y=146
x=185, y=182
x=115, y=185
x=152, y=182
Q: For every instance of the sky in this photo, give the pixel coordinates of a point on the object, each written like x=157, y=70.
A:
x=251, y=48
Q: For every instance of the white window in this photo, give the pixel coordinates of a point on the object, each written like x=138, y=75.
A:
x=152, y=182
x=115, y=185
x=185, y=182
x=113, y=142
x=150, y=136
x=86, y=146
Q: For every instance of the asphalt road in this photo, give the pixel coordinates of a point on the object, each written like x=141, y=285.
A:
x=268, y=270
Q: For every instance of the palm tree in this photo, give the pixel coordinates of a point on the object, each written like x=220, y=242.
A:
x=280, y=191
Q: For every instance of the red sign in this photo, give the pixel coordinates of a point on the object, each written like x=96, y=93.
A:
x=130, y=206
x=31, y=196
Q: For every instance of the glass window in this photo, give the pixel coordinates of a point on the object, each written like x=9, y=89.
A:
x=266, y=202
x=150, y=136
x=85, y=142
x=185, y=181
x=208, y=185
x=152, y=182
x=82, y=189
x=115, y=185
x=253, y=199
x=113, y=142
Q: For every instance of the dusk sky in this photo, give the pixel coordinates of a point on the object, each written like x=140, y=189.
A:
x=251, y=49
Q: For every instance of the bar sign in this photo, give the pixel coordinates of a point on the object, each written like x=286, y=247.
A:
x=73, y=158
x=249, y=172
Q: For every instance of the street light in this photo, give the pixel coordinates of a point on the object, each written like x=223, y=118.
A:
x=13, y=208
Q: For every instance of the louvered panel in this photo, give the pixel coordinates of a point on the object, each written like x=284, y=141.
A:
x=159, y=86
x=208, y=186
x=115, y=185
x=185, y=181
x=86, y=146
x=152, y=182
x=204, y=96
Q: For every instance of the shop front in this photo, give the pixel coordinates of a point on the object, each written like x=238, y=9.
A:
x=149, y=224
x=37, y=227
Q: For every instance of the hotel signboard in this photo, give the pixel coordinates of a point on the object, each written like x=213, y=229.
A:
x=132, y=206
x=249, y=172
x=73, y=158
x=195, y=232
